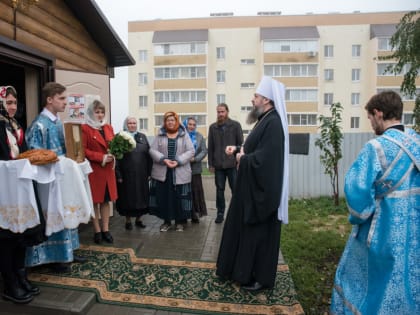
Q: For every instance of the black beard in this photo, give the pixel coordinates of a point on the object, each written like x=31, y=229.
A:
x=254, y=114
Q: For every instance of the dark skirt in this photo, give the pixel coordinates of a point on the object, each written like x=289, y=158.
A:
x=169, y=201
x=199, y=202
x=132, y=212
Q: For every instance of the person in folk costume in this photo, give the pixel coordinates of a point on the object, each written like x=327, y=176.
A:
x=250, y=242
x=379, y=270
x=17, y=288
x=199, y=201
x=97, y=134
x=133, y=172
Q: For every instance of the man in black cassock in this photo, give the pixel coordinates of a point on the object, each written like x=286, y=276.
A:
x=250, y=243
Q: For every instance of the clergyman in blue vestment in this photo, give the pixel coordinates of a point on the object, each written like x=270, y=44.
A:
x=379, y=271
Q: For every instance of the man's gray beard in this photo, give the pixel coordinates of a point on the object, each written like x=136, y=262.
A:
x=254, y=114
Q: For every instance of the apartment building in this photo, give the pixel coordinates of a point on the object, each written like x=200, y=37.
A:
x=191, y=65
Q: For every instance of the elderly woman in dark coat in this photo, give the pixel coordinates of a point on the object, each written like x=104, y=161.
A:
x=199, y=202
x=133, y=172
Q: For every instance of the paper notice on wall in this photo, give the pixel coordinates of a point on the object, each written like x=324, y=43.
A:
x=77, y=105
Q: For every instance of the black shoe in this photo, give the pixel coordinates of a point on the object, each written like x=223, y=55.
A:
x=60, y=268
x=129, y=225
x=79, y=259
x=13, y=290
x=195, y=220
x=25, y=283
x=219, y=219
x=253, y=286
x=140, y=224
x=97, y=238
x=107, y=237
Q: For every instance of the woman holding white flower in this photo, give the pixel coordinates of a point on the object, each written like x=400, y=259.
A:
x=133, y=172
x=96, y=137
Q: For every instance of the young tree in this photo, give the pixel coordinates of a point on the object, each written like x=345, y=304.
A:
x=330, y=144
x=405, y=44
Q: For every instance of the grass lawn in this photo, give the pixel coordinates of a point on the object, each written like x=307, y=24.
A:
x=312, y=244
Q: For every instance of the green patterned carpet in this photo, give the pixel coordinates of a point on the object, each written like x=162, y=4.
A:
x=119, y=277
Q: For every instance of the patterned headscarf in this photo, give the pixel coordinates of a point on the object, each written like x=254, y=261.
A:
x=15, y=136
x=165, y=117
x=193, y=133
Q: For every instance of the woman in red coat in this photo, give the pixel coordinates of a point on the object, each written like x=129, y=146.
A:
x=96, y=136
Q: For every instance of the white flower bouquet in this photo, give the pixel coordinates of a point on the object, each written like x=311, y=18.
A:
x=122, y=143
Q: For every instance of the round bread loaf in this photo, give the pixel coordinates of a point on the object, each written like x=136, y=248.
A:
x=39, y=156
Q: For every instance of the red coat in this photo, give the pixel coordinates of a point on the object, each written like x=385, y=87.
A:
x=95, y=147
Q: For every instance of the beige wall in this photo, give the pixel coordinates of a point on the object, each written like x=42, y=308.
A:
x=240, y=36
x=86, y=83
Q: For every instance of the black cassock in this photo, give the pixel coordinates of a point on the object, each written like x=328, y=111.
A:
x=251, y=236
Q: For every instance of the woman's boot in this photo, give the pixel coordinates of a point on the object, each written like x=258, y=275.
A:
x=25, y=283
x=13, y=291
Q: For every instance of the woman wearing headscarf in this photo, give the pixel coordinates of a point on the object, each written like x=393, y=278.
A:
x=171, y=152
x=133, y=172
x=17, y=288
x=96, y=137
x=199, y=203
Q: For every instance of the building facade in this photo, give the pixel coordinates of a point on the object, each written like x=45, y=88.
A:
x=191, y=65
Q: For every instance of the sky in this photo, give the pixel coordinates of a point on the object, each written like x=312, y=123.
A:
x=120, y=12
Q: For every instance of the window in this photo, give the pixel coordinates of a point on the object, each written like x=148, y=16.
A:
x=329, y=74
x=355, y=75
x=329, y=51
x=328, y=98
x=355, y=98
x=221, y=98
x=286, y=46
x=383, y=67
x=143, y=124
x=143, y=101
x=354, y=122
x=142, y=78
x=194, y=48
x=404, y=97
x=220, y=52
x=355, y=50
x=408, y=119
x=301, y=119
x=302, y=95
x=291, y=70
x=247, y=85
x=246, y=109
x=220, y=76
x=180, y=96
x=384, y=44
x=247, y=61
x=165, y=73
x=142, y=55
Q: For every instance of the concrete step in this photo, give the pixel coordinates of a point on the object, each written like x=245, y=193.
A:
x=51, y=301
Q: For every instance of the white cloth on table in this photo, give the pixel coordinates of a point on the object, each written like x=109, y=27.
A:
x=67, y=201
x=18, y=207
x=76, y=193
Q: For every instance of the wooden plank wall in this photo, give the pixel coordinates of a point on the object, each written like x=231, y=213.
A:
x=50, y=27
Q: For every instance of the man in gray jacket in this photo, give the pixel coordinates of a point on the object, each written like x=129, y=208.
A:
x=222, y=133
